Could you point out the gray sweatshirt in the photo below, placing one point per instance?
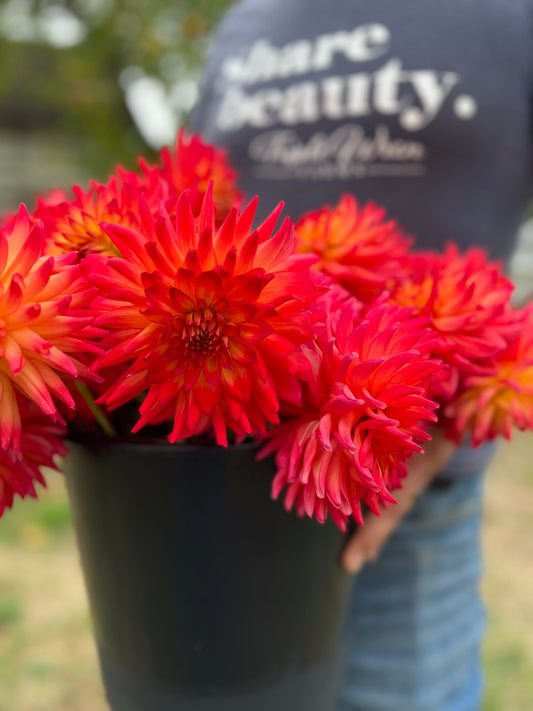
(423, 106)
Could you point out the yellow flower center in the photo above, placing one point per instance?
(411, 293)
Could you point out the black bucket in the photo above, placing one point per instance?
(205, 594)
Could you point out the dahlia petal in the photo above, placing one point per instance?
(224, 238)
(126, 388)
(277, 485)
(31, 383)
(279, 248)
(220, 427)
(13, 356)
(256, 330)
(206, 255)
(309, 499)
(233, 407)
(339, 518)
(23, 259)
(4, 251)
(275, 293)
(245, 287)
(322, 473)
(321, 511)
(372, 401)
(230, 261)
(180, 301)
(224, 358)
(333, 492)
(246, 218)
(206, 395)
(211, 369)
(192, 261)
(324, 431)
(9, 416)
(243, 426)
(192, 373)
(130, 345)
(264, 398)
(185, 226)
(19, 233)
(291, 496)
(14, 295)
(309, 454)
(238, 314)
(209, 286)
(392, 364)
(129, 242)
(342, 404)
(267, 226)
(384, 496)
(344, 433)
(193, 415)
(157, 259)
(179, 417)
(242, 351)
(237, 382)
(372, 503)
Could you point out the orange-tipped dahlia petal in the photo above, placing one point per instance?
(358, 247)
(43, 322)
(493, 404)
(466, 297)
(74, 225)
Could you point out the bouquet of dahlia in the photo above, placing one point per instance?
(154, 306)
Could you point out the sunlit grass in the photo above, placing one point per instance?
(508, 669)
(47, 655)
(38, 522)
(508, 648)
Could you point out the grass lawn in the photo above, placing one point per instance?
(47, 656)
(508, 584)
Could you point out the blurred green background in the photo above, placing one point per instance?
(76, 80)
(88, 84)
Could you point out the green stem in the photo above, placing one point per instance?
(99, 415)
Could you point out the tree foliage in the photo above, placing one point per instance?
(63, 62)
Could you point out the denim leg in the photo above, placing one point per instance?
(416, 619)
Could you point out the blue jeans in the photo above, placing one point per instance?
(416, 619)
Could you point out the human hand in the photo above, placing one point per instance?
(367, 541)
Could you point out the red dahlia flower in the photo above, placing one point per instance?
(209, 322)
(74, 225)
(361, 414)
(466, 298)
(41, 440)
(43, 321)
(490, 405)
(358, 247)
(192, 165)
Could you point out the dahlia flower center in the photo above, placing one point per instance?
(202, 332)
(312, 239)
(81, 232)
(413, 293)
